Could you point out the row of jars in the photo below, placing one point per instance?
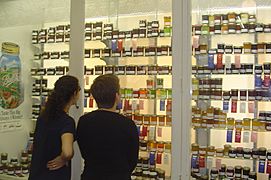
(14, 166)
(227, 172)
(144, 93)
(99, 31)
(232, 152)
(230, 17)
(151, 120)
(155, 146)
(231, 28)
(117, 50)
(235, 94)
(247, 48)
(100, 70)
(216, 118)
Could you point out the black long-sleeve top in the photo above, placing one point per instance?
(109, 145)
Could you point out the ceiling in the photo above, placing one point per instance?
(38, 12)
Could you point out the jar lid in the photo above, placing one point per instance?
(229, 168)
(10, 48)
(246, 168)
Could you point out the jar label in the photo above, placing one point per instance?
(260, 50)
(232, 31)
(259, 29)
(244, 30)
(217, 31)
(267, 29)
(247, 156)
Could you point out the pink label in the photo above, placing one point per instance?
(159, 132)
(218, 163)
(251, 107)
(234, 106)
(238, 136)
(141, 105)
(254, 136)
(237, 61)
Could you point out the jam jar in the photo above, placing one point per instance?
(238, 172)
(267, 28)
(217, 29)
(247, 47)
(246, 171)
(230, 172)
(232, 152)
(252, 176)
(261, 47)
(214, 173)
(247, 153)
(252, 27)
(228, 49)
(232, 28)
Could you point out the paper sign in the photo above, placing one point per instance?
(218, 163)
(251, 107)
(229, 136)
(238, 136)
(162, 105)
(226, 106)
(195, 41)
(237, 61)
(242, 107)
(234, 106)
(228, 62)
(254, 136)
(246, 136)
(159, 132)
(141, 105)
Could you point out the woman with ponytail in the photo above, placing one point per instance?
(55, 132)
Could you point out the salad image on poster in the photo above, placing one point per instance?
(11, 91)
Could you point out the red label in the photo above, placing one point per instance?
(159, 132)
(202, 162)
(120, 44)
(126, 105)
(268, 167)
(159, 158)
(238, 136)
(234, 106)
(219, 63)
(144, 131)
(91, 102)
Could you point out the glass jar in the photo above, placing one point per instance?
(202, 150)
(225, 29)
(230, 172)
(232, 28)
(232, 152)
(238, 171)
(247, 48)
(247, 153)
(219, 152)
(211, 151)
(244, 18)
(227, 149)
(246, 171)
(261, 47)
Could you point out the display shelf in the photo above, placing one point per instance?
(8, 177)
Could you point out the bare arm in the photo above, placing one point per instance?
(66, 154)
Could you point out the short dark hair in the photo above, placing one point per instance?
(104, 89)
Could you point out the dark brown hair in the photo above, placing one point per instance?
(104, 89)
(64, 89)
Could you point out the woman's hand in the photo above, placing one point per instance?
(56, 163)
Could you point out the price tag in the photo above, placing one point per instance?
(238, 136)
(229, 136)
(162, 105)
(141, 104)
(246, 136)
(237, 61)
(254, 136)
(242, 107)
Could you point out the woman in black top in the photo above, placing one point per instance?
(55, 133)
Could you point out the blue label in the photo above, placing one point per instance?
(261, 166)
(119, 105)
(258, 81)
(114, 45)
(138, 130)
(85, 102)
(211, 64)
(152, 158)
(226, 106)
(194, 162)
(229, 136)
(162, 105)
